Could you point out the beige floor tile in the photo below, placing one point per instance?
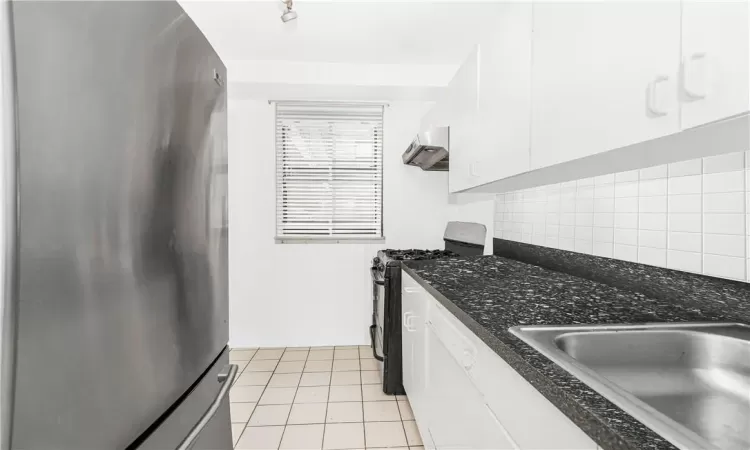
(341, 365)
(343, 436)
(370, 377)
(405, 409)
(290, 367)
(260, 438)
(294, 356)
(320, 355)
(240, 365)
(269, 354)
(322, 347)
(346, 354)
(345, 394)
(384, 434)
(315, 379)
(366, 355)
(365, 347)
(412, 433)
(241, 355)
(318, 366)
(387, 448)
(347, 347)
(237, 429)
(269, 415)
(296, 349)
(369, 364)
(278, 396)
(344, 378)
(381, 412)
(312, 394)
(374, 392)
(284, 380)
(306, 437)
(253, 379)
(239, 349)
(400, 397)
(241, 412)
(416, 447)
(244, 394)
(303, 413)
(262, 365)
(344, 412)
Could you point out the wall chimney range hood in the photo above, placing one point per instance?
(429, 150)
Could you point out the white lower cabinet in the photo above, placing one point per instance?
(464, 396)
(459, 416)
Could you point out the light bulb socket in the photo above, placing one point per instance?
(288, 15)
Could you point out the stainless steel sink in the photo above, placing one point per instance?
(690, 383)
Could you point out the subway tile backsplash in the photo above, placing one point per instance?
(692, 216)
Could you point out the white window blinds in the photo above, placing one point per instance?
(329, 170)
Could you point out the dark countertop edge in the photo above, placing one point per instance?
(594, 427)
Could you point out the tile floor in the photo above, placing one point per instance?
(316, 398)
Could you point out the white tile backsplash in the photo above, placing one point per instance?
(680, 169)
(691, 184)
(724, 182)
(724, 163)
(691, 215)
(651, 173)
(631, 175)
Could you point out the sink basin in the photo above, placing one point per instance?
(690, 383)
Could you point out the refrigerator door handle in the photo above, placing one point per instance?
(226, 377)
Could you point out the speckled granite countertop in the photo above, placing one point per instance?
(490, 294)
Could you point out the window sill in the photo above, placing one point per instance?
(330, 240)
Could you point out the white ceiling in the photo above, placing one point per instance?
(361, 32)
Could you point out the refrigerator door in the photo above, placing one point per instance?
(123, 281)
(216, 435)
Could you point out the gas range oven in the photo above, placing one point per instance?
(461, 239)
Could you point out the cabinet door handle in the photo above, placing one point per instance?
(473, 169)
(695, 75)
(408, 323)
(652, 101)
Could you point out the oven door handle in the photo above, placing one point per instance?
(372, 343)
(373, 274)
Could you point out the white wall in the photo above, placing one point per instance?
(692, 215)
(320, 294)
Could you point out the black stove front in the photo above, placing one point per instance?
(385, 332)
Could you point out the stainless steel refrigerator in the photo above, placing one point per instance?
(114, 236)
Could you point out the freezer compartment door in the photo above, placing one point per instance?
(216, 435)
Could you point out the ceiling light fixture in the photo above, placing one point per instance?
(288, 14)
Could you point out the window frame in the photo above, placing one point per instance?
(279, 176)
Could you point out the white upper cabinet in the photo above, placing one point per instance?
(714, 61)
(495, 113)
(462, 104)
(604, 75)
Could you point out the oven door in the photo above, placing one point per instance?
(378, 313)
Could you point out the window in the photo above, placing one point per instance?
(329, 171)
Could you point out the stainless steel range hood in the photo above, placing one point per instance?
(429, 150)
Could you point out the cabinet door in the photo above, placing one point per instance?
(464, 132)
(459, 417)
(505, 96)
(714, 60)
(415, 300)
(604, 76)
(407, 339)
